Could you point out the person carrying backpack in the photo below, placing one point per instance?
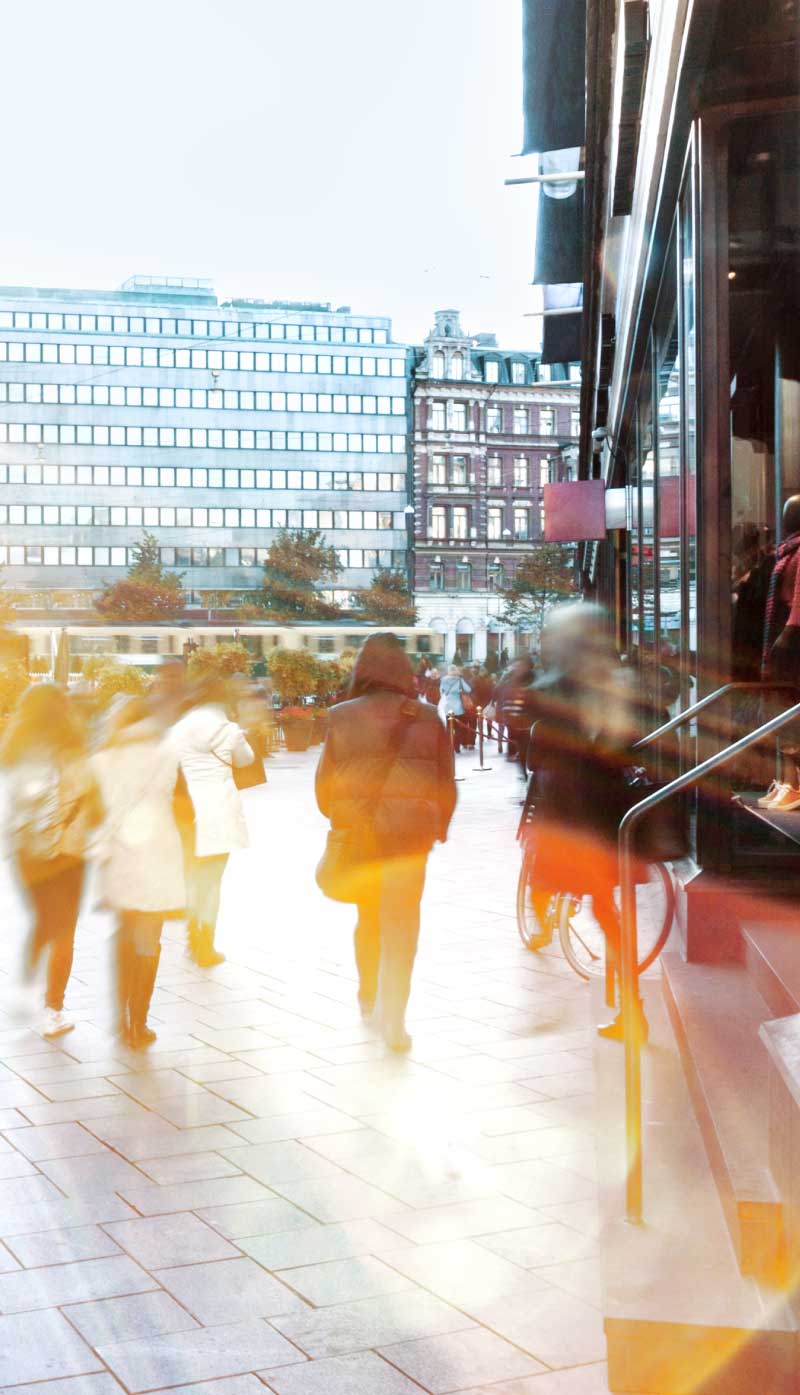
(54, 806)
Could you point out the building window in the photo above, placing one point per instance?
(546, 421)
(494, 472)
(574, 372)
(495, 577)
(518, 372)
(436, 576)
(494, 418)
(437, 367)
(491, 371)
(458, 469)
(460, 523)
(457, 367)
(544, 373)
(464, 576)
(544, 471)
(458, 416)
(438, 522)
(521, 529)
(575, 421)
(494, 523)
(521, 472)
(520, 421)
(437, 416)
(437, 473)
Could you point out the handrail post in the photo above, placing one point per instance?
(629, 994)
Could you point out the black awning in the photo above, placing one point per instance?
(554, 74)
(559, 239)
(561, 341)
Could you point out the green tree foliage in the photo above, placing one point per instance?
(546, 576)
(295, 674)
(298, 561)
(387, 599)
(148, 592)
(13, 682)
(221, 662)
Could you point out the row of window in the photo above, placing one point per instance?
(48, 555)
(459, 578)
(155, 516)
(212, 399)
(198, 477)
(520, 371)
(233, 360)
(454, 470)
(71, 323)
(455, 522)
(455, 416)
(200, 438)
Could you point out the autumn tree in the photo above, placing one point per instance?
(545, 576)
(298, 562)
(387, 599)
(148, 592)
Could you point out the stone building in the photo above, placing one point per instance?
(491, 428)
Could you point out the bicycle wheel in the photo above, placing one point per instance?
(583, 942)
(535, 929)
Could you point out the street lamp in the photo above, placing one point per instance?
(408, 513)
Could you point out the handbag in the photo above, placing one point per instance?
(343, 870)
(246, 777)
(467, 702)
(661, 835)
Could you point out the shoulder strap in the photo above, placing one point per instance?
(393, 744)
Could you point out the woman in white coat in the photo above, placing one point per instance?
(141, 863)
(208, 745)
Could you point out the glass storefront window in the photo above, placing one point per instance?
(668, 503)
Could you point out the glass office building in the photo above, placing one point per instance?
(156, 408)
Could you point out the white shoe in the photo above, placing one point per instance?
(784, 802)
(55, 1024)
(777, 794)
(766, 799)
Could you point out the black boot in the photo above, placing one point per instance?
(146, 968)
(204, 954)
(613, 1031)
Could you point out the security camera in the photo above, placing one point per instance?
(599, 434)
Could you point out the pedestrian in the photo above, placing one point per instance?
(54, 806)
(385, 781)
(455, 689)
(140, 855)
(581, 745)
(208, 745)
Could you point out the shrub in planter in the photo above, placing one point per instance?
(294, 673)
(298, 727)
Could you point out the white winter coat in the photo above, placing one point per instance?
(208, 745)
(139, 847)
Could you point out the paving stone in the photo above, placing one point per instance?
(552, 1325)
(13, 1164)
(100, 1384)
(62, 1246)
(319, 1243)
(363, 1374)
(252, 1218)
(181, 1357)
(281, 1162)
(162, 1140)
(304, 1126)
(26, 1191)
(53, 1215)
(191, 1110)
(42, 1347)
(341, 1198)
(345, 1280)
(146, 1086)
(167, 1240)
(462, 1220)
(79, 1282)
(78, 1111)
(578, 1380)
(370, 1322)
(548, 1243)
(462, 1273)
(187, 1167)
(124, 1319)
(89, 1175)
(76, 1089)
(445, 1363)
(228, 1291)
(189, 1196)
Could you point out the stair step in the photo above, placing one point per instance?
(772, 958)
(716, 1012)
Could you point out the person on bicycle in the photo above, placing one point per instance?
(586, 719)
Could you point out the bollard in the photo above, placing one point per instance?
(481, 768)
(451, 728)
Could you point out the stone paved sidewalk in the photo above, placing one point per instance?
(266, 1198)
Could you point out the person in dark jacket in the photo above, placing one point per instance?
(585, 726)
(399, 809)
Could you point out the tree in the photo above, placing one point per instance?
(295, 673)
(221, 662)
(546, 576)
(149, 592)
(298, 560)
(387, 599)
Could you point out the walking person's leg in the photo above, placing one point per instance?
(208, 873)
(145, 954)
(123, 946)
(367, 945)
(65, 890)
(607, 916)
(401, 889)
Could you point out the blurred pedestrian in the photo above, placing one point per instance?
(54, 806)
(455, 689)
(385, 781)
(140, 855)
(208, 745)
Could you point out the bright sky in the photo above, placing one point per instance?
(344, 150)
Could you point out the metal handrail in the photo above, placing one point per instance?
(690, 712)
(629, 951)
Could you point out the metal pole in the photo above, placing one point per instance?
(481, 768)
(629, 950)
